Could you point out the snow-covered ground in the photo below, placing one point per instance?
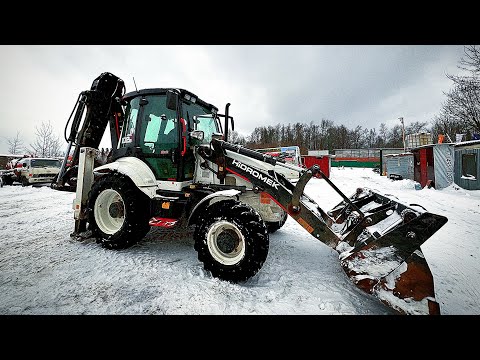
(43, 271)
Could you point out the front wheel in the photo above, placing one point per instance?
(231, 240)
(119, 212)
(7, 180)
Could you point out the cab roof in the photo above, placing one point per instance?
(163, 91)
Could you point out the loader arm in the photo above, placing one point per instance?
(377, 237)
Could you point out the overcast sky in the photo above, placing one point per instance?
(266, 85)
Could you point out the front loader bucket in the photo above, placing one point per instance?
(378, 237)
(379, 249)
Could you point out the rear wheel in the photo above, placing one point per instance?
(119, 213)
(7, 180)
(70, 177)
(231, 240)
(273, 226)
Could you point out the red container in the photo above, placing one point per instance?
(323, 161)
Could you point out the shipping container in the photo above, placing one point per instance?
(317, 152)
(324, 162)
(399, 166)
(418, 139)
(467, 165)
(433, 165)
(384, 152)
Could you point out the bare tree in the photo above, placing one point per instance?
(237, 138)
(339, 136)
(255, 137)
(417, 127)
(445, 125)
(471, 60)
(371, 138)
(324, 134)
(15, 144)
(355, 137)
(383, 134)
(313, 143)
(47, 144)
(299, 133)
(395, 137)
(463, 100)
(462, 106)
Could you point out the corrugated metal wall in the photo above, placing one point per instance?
(400, 165)
(385, 152)
(443, 155)
(468, 184)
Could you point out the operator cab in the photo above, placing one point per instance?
(161, 127)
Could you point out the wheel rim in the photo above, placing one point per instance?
(109, 211)
(226, 243)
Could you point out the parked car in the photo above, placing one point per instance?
(8, 175)
(37, 170)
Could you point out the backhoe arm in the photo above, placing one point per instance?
(102, 105)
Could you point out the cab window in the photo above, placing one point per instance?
(128, 131)
(159, 126)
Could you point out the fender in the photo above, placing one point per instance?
(136, 170)
(192, 219)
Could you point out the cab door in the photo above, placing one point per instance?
(159, 137)
(151, 132)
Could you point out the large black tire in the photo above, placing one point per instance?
(70, 177)
(126, 221)
(7, 180)
(273, 226)
(231, 240)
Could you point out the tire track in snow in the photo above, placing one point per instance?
(43, 271)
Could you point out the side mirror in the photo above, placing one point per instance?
(172, 100)
(24, 165)
(197, 134)
(218, 136)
